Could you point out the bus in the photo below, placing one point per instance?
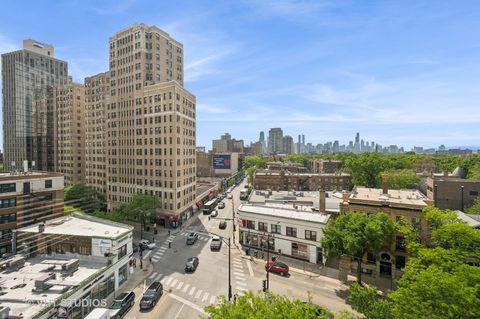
(209, 206)
(244, 194)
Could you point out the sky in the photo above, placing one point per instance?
(399, 72)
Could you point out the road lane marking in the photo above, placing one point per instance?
(205, 297)
(162, 249)
(186, 288)
(192, 291)
(250, 270)
(241, 283)
(174, 282)
(239, 269)
(241, 288)
(240, 278)
(155, 311)
(198, 293)
(164, 280)
(237, 259)
(179, 311)
(212, 300)
(147, 254)
(188, 303)
(180, 284)
(152, 275)
(168, 281)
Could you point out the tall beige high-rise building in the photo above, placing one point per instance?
(150, 122)
(97, 93)
(70, 108)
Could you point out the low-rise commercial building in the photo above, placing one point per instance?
(404, 203)
(283, 180)
(27, 198)
(65, 267)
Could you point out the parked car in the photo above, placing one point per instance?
(222, 225)
(221, 205)
(216, 243)
(229, 196)
(122, 303)
(192, 264)
(147, 244)
(192, 238)
(277, 267)
(214, 213)
(151, 295)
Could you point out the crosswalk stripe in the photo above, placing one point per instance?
(168, 281)
(164, 280)
(212, 300)
(186, 288)
(162, 248)
(198, 294)
(158, 277)
(205, 297)
(240, 278)
(236, 259)
(173, 283)
(238, 268)
(155, 259)
(204, 239)
(192, 291)
(152, 275)
(240, 274)
(180, 284)
(242, 283)
(241, 288)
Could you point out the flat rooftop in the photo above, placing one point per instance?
(81, 225)
(287, 199)
(410, 197)
(28, 175)
(293, 214)
(17, 287)
(275, 172)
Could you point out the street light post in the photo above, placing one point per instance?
(233, 218)
(268, 259)
(229, 272)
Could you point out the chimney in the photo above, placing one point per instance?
(385, 184)
(321, 201)
(41, 227)
(346, 196)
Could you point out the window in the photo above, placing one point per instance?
(9, 202)
(48, 183)
(310, 235)
(473, 193)
(262, 226)
(10, 218)
(400, 243)
(122, 251)
(277, 229)
(250, 224)
(292, 232)
(371, 257)
(8, 188)
(400, 262)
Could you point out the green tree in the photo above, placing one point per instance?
(250, 172)
(475, 207)
(259, 306)
(254, 160)
(140, 204)
(355, 234)
(366, 168)
(82, 196)
(404, 178)
(366, 300)
(297, 158)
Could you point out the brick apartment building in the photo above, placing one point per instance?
(322, 166)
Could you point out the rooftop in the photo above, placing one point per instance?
(81, 225)
(471, 220)
(301, 200)
(409, 197)
(28, 175)
(289, 213)
(274, 172)
(18, 290)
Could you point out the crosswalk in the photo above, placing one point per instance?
(162, 249)
(188, 291)
(239, 276)
(201, 237)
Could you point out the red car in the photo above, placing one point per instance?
(278, 267)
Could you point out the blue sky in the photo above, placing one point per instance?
(399, 72)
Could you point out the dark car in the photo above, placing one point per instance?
(151, 295)
(192, 264)
(192, 238)
(277, 267)
(222, 225)
(122, 303)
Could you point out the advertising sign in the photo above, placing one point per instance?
(221, 161)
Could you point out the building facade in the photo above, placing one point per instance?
(26, 199)
(287, 145)
(70, 108)
(29, 116)
(97, 92)
(452, 192)
(284, 180)
(397, 204)
(151, 126)
(275, 140)
(322, 166)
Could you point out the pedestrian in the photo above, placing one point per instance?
(141, 264)
(150, 259)
(134, 263)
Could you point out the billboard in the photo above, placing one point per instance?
(221, 161)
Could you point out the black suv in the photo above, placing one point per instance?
(123, 303)
(151, 295)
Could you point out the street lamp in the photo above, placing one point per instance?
(233, 218)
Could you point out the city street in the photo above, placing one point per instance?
(186, 294)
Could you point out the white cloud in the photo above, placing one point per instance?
(112, 7)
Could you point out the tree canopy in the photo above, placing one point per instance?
(254, 160)
(475, 207)
(82, 196)
(401, 179)
(355, 234)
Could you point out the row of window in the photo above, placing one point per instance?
(277, 229)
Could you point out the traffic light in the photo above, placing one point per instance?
(264, 285)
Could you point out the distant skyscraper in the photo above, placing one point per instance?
(275, 140)
(357, 138)
(262, 136)
(29, 117)
(287, 144)
(303, 139)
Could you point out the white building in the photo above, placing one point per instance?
(291, 231)
(77, 258)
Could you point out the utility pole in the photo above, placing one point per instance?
(268, 259)
(233, 218)
(229, 272)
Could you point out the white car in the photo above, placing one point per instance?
(148, 244)
(214, 213)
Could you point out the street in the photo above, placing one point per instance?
(186, 294)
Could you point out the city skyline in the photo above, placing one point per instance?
(420, 75)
